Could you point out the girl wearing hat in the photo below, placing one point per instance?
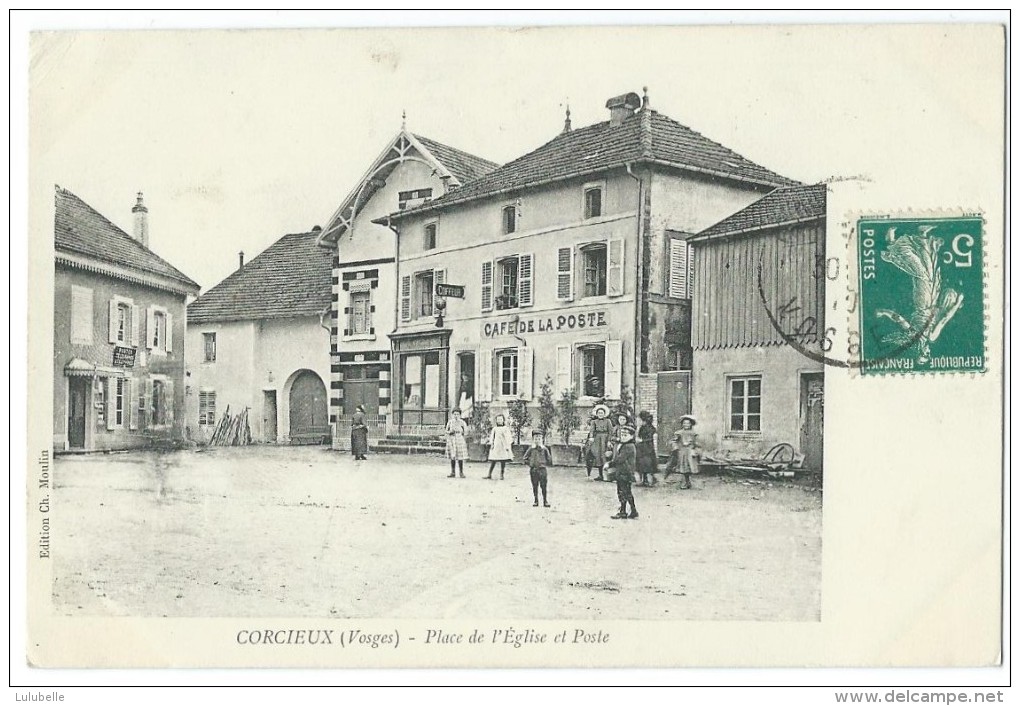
(499, 446)
(600, 430)
(359, 434)
(456, 443)
(647, 458)
(685, 455)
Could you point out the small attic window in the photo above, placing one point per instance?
(509, 219)
(415, 197)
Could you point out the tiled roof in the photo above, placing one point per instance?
(80, 229)
(603, 146)
(784, 205)
(292, 277)
(465, 167)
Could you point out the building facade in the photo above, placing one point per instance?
(759, 326)
(574, 266)
(411, 170)
(119, 320)
(259, 340)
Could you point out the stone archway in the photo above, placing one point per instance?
(308, 408)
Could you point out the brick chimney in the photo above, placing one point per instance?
(622, 107)
(240, 259)
(141, 221)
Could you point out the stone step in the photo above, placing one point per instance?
(432, 443)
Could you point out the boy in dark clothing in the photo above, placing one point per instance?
(537, 458)
(623, 464)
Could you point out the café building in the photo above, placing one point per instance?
(569, 264)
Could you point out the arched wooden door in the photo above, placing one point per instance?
(309, 421)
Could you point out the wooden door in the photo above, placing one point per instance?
(309, 421)
(812, 402)
(77, 404)
(269, 416)
(674, 398)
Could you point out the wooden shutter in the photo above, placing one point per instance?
(483, 376)
(678, 269)
(690, 270)
(525, 366)
(487, 268)
(563, 364)
(113, 321)
(130, 406)
(150, 328)
(525, 277)
(168, 318)
(614, 279)
(614, 369)
(438, 277)
(111, 406)
(150, 411)
(81, 315)
(565, 274)
(169, 402)
(405, 298)
(134, 325)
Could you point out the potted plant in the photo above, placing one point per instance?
(506, 301)
(569, 421)
(520, 419)
(479, 426)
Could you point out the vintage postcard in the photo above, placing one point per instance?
(516, 347)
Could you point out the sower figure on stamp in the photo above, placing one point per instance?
(622, 465)
(600, 430)
(456, 443)
(499, 446)
(537, 457)
(685, 455)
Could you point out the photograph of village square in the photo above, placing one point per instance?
(551, 370)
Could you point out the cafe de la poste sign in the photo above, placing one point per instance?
(544, 324)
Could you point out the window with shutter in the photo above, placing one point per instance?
(487, 268)
(207, 408)
(483, 375)
(563, 363)
(565, 274)
(615, 271)
(405, 298)
(526, 285)
(593, 370)
(596, 270)
(614, 369)
(526, 362)
(132, 396)
(508, 369)
(81, 315)
(679, 266)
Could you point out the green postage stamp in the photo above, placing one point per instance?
(921, 290)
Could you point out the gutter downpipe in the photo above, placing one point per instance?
(637, 282)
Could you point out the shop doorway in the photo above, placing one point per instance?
(77, 404)
(812, 403)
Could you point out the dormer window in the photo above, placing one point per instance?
(592, 200)
(509, 219)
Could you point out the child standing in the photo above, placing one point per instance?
(685, 455)
(456, 443)
(623, 463)
(537, 458)
(647, 458)
(600, 430)
(499, 446)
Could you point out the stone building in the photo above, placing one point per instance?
(118, 333)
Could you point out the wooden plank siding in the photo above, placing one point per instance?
(727, 310)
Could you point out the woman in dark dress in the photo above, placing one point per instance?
(647, 459)
(359, 434)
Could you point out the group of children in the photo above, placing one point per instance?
(609, 447)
